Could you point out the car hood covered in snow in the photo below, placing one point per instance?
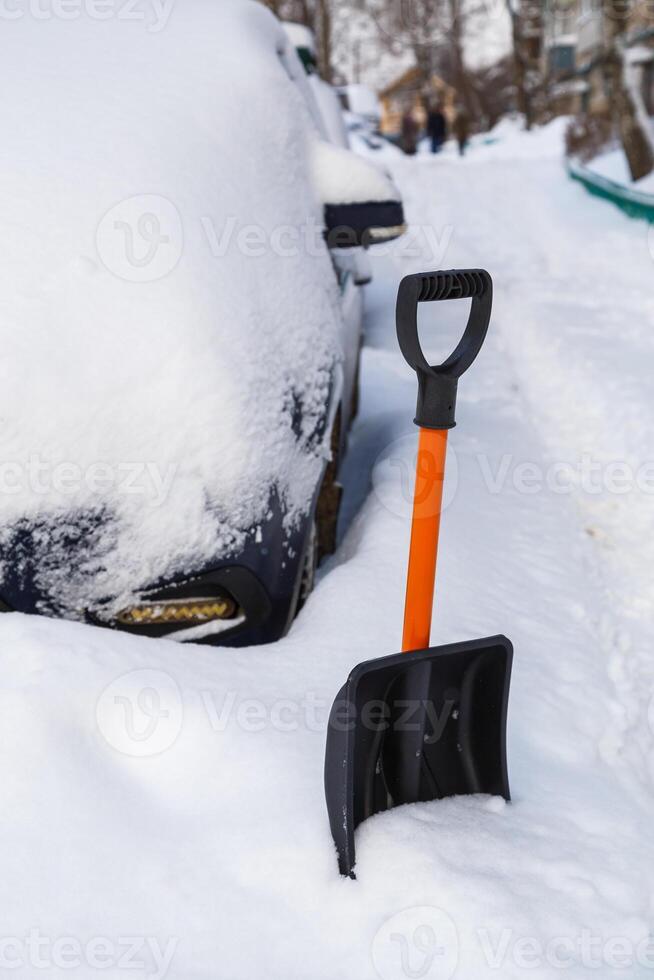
(169, 322)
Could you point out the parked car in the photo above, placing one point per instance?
(327, 102)
(179, 343)
(327, 107)
(363, 105)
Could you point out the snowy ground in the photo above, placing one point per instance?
(174, 795)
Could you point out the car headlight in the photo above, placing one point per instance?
(217, 603)
(178, 612)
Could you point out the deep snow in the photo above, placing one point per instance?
(184, 804)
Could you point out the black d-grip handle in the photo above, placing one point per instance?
(437, 384)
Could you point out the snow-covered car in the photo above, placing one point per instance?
(363, 105)
(327, 102)
(179, 364)
(362, 117)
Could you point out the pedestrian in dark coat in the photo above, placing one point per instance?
(436, 128)
(409, 133)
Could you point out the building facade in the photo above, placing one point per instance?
(574, 40)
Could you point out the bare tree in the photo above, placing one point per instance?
(458, 15)
(527, 35)
(625, 101)
(417, 26)
(494, 88)
(355, 44)
(323, 19)
(433, 31)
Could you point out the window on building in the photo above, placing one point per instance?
(562, 58)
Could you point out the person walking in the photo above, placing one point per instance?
(436, 128)
(462, 128)
(409, 133)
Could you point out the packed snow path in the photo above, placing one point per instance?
(183, 804)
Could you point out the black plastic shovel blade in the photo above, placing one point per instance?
(416, 727)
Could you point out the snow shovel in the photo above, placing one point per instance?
(430, 724)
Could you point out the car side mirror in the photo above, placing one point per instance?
(366, 224)
(362, 205)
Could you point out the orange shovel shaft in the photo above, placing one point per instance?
(427, 502)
